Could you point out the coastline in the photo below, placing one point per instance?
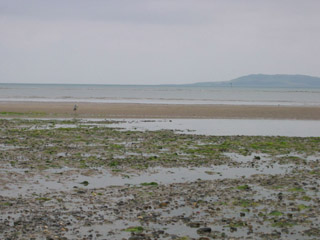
(157, 111)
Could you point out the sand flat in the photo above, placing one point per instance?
(134, 110)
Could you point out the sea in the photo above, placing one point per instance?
(159, 94)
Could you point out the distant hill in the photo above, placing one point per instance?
(262, 80)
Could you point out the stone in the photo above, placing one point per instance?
(194, 224)
(204, 230)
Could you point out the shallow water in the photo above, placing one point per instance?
(228, 127)
(66, 179)
(210, 127)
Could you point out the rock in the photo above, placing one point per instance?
(138, 237)
(194, 224)
(163, 204)
(204, 230)
(233, 229)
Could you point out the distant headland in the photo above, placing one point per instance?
(263, 80)
(248, 81)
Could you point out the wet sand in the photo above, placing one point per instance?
(128, 110)
(80, 179)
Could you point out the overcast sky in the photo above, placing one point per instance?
(156, 41)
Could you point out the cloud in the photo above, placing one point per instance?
(149, 41)
(124, 11)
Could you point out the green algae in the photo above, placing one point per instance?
(276, 213)
(40, 141)
(243, 187)
(137, 229)
(237, 224)
(85, 183)
(149, 184)
(43, 199)
(6, 204)
(245, 203)
(282, 224)
(296, 189)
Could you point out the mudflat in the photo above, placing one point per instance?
(135, 110)
(84, 179)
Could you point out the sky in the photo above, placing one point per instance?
(156, 41)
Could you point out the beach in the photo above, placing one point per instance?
(159, 120)
(139, 110)
(158, 163)
(91, 179)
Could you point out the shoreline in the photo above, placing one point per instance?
(157, 111)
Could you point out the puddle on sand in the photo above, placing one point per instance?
(66, 179)
(310, 158)
(114, 230)
(244, 159)
(4, 147)
(216, 127)
(53, 126)
(227, 127)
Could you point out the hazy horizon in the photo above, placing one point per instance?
(155, 84)
(149, 42)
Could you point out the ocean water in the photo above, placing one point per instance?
(159, 94)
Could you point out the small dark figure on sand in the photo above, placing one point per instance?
(75, 107)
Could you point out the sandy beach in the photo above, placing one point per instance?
(128, 110)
